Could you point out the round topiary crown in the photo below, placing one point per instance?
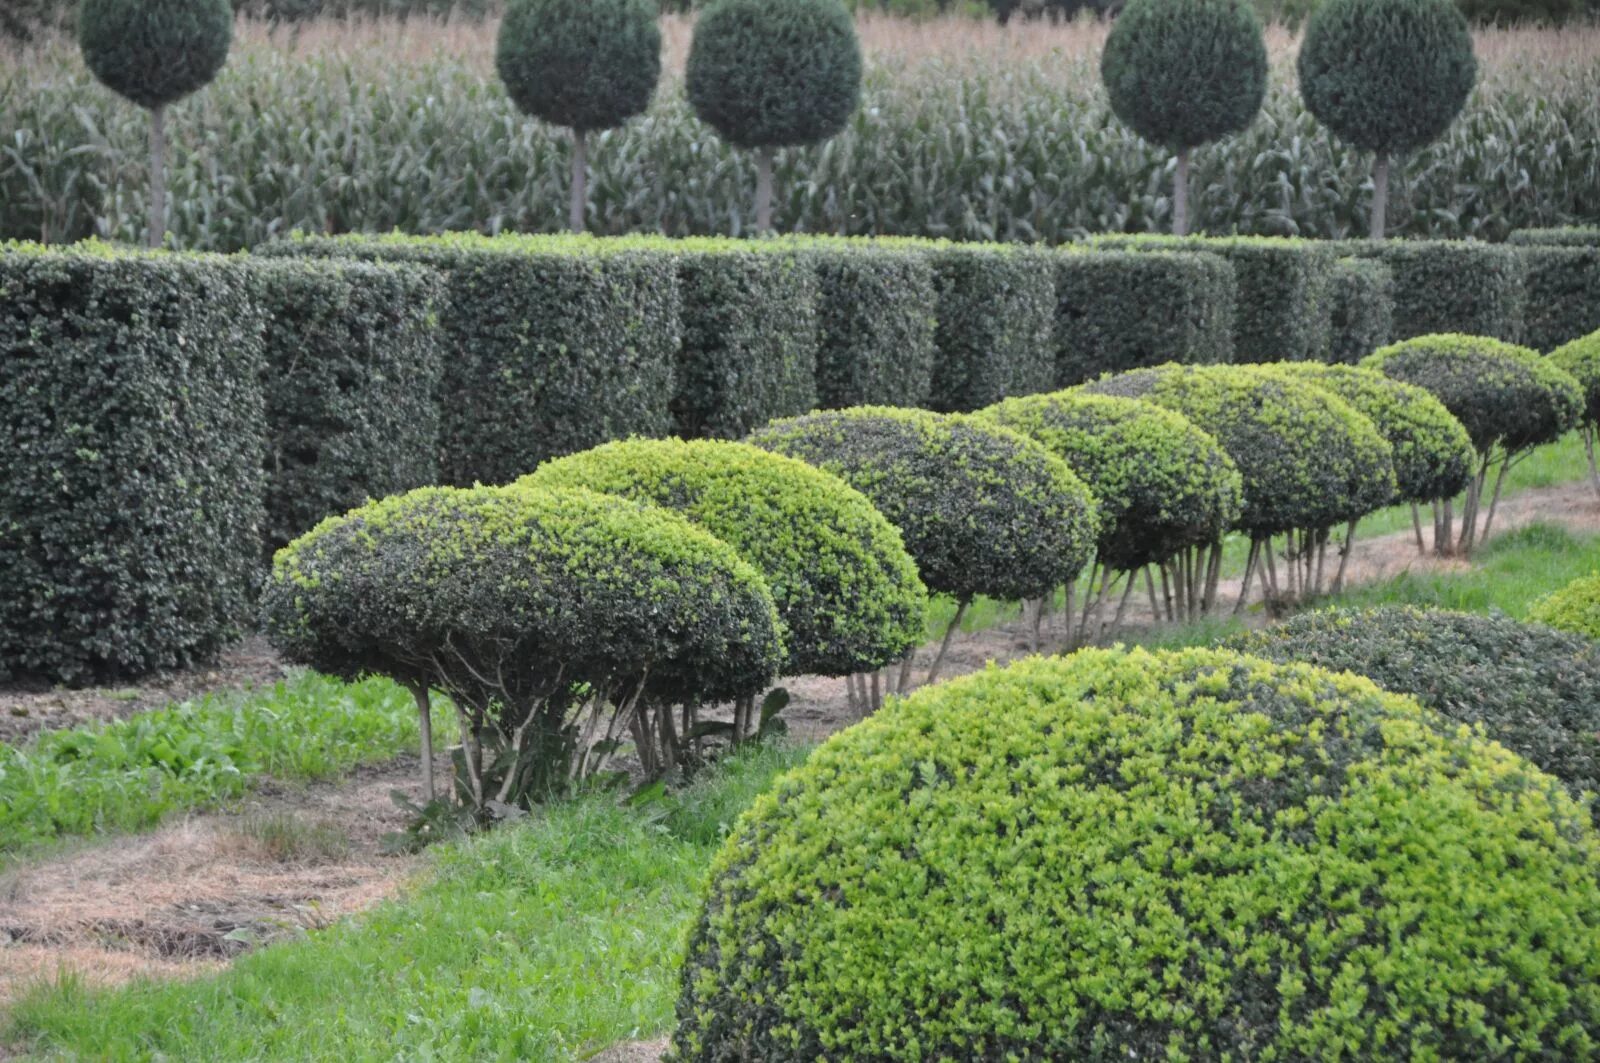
(1580, 360)
(583, 64)
(155, 52)
(1575, 608)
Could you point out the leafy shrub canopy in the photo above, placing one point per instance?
(1580, 360)
(1534, 690)
(774, 73)
(583, 64)
(1121, 854)
(1185, 72)
(847, 591)
(1387, 75)
(1307, 458)
(982, 509)
(155, 52)
(1502, 394)
(1162, 484)
(1575, 608)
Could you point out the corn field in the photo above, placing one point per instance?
(967, 130)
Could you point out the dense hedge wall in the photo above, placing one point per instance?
(1363, 309)
(1451, 286)
(353, 359)
(1563, 294)
(553, 344)
(1119, 310)
(1124, 855)
(131, 505)
(1571, 236)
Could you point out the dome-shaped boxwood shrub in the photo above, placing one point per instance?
(584, 64)
(847, 592)
(538, 612)
(1183, 73)
(1534, 690)
(1388, 76)
(1575, 608)
(1509, 399)
(1580, 360)
(1162, 484)
(768, 74)
(1124, 855)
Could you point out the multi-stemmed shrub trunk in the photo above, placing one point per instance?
(1307, 571)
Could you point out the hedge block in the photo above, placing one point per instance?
(1363, 309)
(1570, 236)
(1443, 286)
(1563, 294)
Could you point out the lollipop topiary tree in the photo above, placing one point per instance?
(155, 52)
(768, 74)
(584, 64)
(1389, 76)
(1183, 73)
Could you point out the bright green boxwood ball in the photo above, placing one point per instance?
(1387, 75)
(983, 510)
(155, 52)
(1503, 395)
(1129, 855)
(1308, 459)
(587, 584)
(1183, 73)
(774, 73)
(1432, 452)
(583, 64)
(1580, 360)
(1574, 608)
(847, 592)
(1162, 483)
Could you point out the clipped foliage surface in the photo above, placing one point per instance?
(1575, 608)
(846, 589)
(1363, 309)
(982, 510)
(1563, 295)
(995, 311)
(1120, 854)
(1461, 286)
(1580, 360)
(583, 64)
(1161, 483)
(155, 52)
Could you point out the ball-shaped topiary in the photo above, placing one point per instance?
(1532, 689)
(1307, 458)
(1503, 395)
(1574, 608)
(1432, 452)
(1162, 483)
(583, 64)
(982, 509)
(847, 591)
(1580, 360)
(155, 52)
(1125, 855)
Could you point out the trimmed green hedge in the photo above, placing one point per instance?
(1572, 236)
(1123, 855)
(1283, 311)
(1119, 310)
(1576, 608)
(1563, 286)
(353, 359)
(554, 344)
(1363, 309)
(1451, 286)
(131, 505)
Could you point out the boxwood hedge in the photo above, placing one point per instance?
(1363, 309)
(982, 509)
(847, 592)
(1121, 854)
(1451, 286)
(1162, 484)
(1569, 236)
(130, 509)
(1563, 301)
(1575, 608)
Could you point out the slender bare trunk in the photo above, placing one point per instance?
(1380, 194)
(1494, 501)
(763, 190)
(158, 177)
(949, 633)
(1416, 524)
(580, 180)
(1250, 563)
(1155, 606)
(1588, 447)
(419, 693)
(1349, 547)
(1180, 196)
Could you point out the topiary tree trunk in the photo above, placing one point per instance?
(763, 190)
(1180, 196)
(1380, 194)
(157, 234)
(580, 180)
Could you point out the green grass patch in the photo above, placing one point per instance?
(546, 940)
(129, 774)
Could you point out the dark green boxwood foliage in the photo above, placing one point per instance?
(583, 64)
(1307, 458)
(1563, 294)
(552, 344)
(130, 509)
(1571, 236)
(1363, 309)
(1433, 456)
(155, 52)
(1162, 484)
(1118, 310)
(1580, 360)
(1576, 608)
(1120, 855)
(1503, 395)
(1284, 307)
(353, 359)
(1451, 286)
(1532, 689)
(847, 592)
(774, 73)
(982, 509)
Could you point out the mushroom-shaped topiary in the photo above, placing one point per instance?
(1127, 855)
(587, 65)
(1575, 608)
(1533, 690)
(1183, 73)
(551, 618)
(1508, 398)
(768, 74)
(847, 592)
(1580, 359)
(983, 510)
(154, 53)
(1389, 76)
